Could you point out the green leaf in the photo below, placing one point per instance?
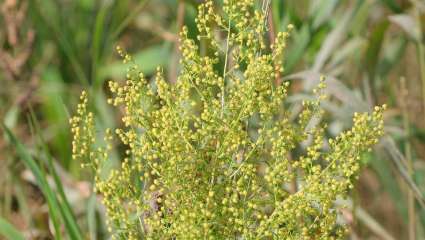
(11, 116)
(360, 18)
(374, 48)
(9, 231)
(147, 59)
(52, 93)
(296, 51)
(324, 12)
(393, 5)
(383, 170)
(332, 42)
(393, 54)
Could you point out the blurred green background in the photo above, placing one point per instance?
(372, 52)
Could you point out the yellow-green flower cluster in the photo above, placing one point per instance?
(218, 155)
(82, 128)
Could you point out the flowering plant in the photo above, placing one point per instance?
(216, 155)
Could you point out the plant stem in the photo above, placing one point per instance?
(421, 52)
(225, 67)
(408, 153)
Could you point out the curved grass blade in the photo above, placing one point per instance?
(67, 210)
(56, 208)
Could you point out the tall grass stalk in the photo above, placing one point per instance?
(408, 153)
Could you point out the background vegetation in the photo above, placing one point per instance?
(372, 51)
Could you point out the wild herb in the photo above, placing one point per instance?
(211, 157)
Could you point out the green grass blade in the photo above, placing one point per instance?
(56, 208)
(40, 178)
(332, 42)
(324, 12)
(128, 19)
(400, 164)
(66, 209)
(300, 42)
(374, 47)
(47, 12)
(97, 39)
(53, 90)
(8, 231)
(276, 10)
(392, 56)
(91, 216)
